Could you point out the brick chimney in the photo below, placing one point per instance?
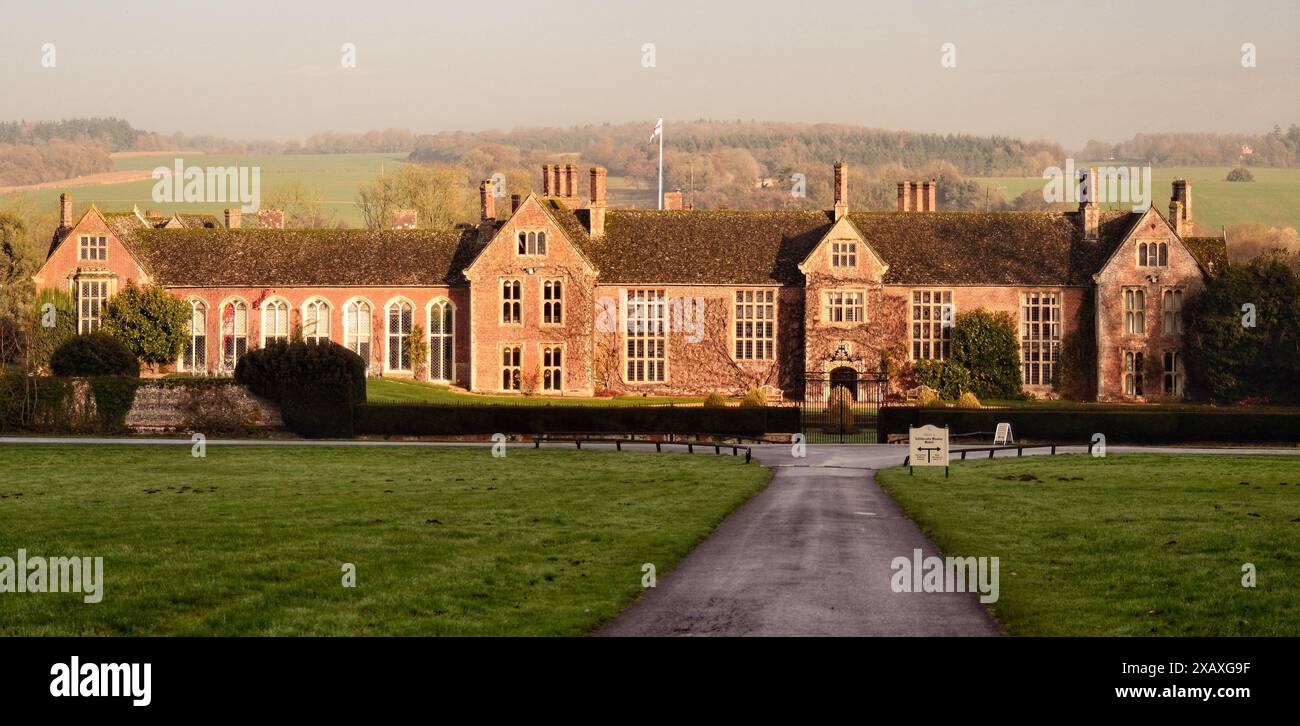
(515, 201)
(1180, 208)
(673, 200)
(487, 206)
(270, 219)
(405, 219)
(546, 180)
(841, 190)
(596, 208)
(571, 177)
(905, 196)
(930, 196)
(65, 210)
(1089, 212)
(234, 218)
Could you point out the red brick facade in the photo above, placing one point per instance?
(569, 302)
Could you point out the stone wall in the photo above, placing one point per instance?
(207, 406)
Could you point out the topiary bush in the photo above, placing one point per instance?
(948, 378)
(316, 384)
(94, 354)
(986, 344)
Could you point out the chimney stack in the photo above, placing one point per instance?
(555, 181)
(546, 180)
(234, 218)
(1180, 207)
(515, 201)
(487, 208)
(930, 196)
(596, 207)
(905, 196)
(841, 190)
(65, 210)
(571, 183)
(673, 200)
(1089, 212)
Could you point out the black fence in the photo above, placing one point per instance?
(840, 407)
(1122, 426)
(454, 420)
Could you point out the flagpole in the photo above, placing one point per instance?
(661, 168)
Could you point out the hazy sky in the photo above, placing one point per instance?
(1062, 71)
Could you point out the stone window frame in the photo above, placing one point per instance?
(661, 338)
(517, 301)
(1145, 251)
(530, 243)
(914, 306)
(109, 288)
(510, 366)
(1172, 313)
(234, 301)
(553, 306)
(350, 336)
(735, 338)
(844, 254)
(398, 300)
(1134, 314)
(96, 244)
(827, 306)
(1048, 346)
(276, 302)
(193, 349)
(318, 303)
(552, 372)
(1132, 366)
(442, 301)
(1177, 374)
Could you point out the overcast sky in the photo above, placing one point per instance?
(1067, 72)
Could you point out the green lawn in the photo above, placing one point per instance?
(251, 540)
(1273, 198)
(1123, 545)
(397, 390)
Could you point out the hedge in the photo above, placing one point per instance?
(435, 420)
(54, 405)
(1124, 426)
(315, 385)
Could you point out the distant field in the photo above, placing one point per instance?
(1273, 198)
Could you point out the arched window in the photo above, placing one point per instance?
(195, 357)
(442, 328)
(552, 369)
(234, 332)
(356, 328)
(1135, 316)
(510, 368)
(400, 319)
(532, 243)
(552, 302)
(510, 305)
(541, 243)
(316, 321)
(275, 321)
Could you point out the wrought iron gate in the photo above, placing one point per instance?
(840, 407)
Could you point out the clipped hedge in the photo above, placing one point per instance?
(64, 405)
(315, 384)
(94, 354)
(434, 420)
(1120, 426)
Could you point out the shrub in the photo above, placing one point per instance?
(113, 398)
(94, 354)
(948, 378)
(50, 327)
(715, 400)
(315, 384)
(1075, 375)
(928, 397)
(968, 400)
(1241, 174)
(754, 397)
(986, 344)
(150, 321)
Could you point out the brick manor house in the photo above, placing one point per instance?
(559, 297)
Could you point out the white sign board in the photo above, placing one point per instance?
(1003, 434)
(927, 446)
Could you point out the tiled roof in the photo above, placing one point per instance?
(1211, 252)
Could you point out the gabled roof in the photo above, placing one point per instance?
(1211, 252)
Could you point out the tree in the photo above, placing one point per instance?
(417, 350)
(986, 344)
(1233, 354)
(18, 261)
(439, 194)
(151, 322)
(301, 205)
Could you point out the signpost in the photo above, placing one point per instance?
(927, 446)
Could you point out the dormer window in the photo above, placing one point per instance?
(532, 243)
(1153, 254)
(844, 254)
(93, 248)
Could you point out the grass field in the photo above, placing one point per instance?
(1123, 545)
(1273, 198)
(251, 540)
(396, 390)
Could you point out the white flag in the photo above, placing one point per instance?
(659, 128)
